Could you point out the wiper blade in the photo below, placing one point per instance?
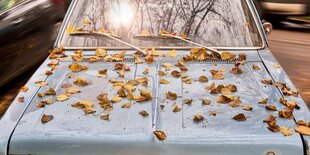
(111, 36)
(189, 41)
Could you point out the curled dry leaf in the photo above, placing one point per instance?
(146, 71)
(211, 87)
(78, 55)
(273, 126)
(50, 91)
(212, 113)
(149, 59)
(176, 74)
(227, 56)
(160, 135)
(242, 56)
(203, 79)
(198, 118)
(144, 113)
(247, 108)
(303, 123)
(172, 53)
(118, 66)
(279, 84)
(138, 60)
(267, 82)
(73, 91)
(100, 52)
(161, 73)
(255, 67)
(126, 105)
(286, 113)
(206, 102)
(62, 97)
(164, 81)
(87, 106)
(239, 117)
(40, 104)
(121, 92)
(225, 91)
(121, 73)
(102, 73)
(24, 88)
(263, 101)
(269, 118)
(116, 99)
(21, 99)
(217, 74)
(187, 101)
(81, 82)
(166, 64)
(146, 93)
(46, 118)
(225, 99)
(41, 83)
(303, 130)
(236, 70)
(176, 109)
(232, 88)
(271, 107)
(286, 131)
(171, 96)
(277, 66)
(48, 72)
(187, 80)
(105, 117)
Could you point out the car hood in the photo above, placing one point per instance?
(73, 132)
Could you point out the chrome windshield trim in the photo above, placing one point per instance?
(249, 4)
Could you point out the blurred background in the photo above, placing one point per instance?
(28, 29)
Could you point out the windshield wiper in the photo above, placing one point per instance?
(189, 41)
(111, 36)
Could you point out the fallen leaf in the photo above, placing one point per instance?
(24, 88)
(105, 117)
(212, 113)
(73, 91)
(21, 99)
(116, 99)
(41, 83)
(78, 55)
(224, 99)
(303, 123)
(48, 101)
(216, 74)
(62, 97)
(172, 53)
(121, 92)
(138, 60)
(227, 56)
(270, 118)
(161, 73)
(40, 104)
(187, 80)
(160, 135)
(89, 110)
(146, 71)
(100, 52)
(211, 87)
(236, 70)
(286, 113)
(176, 74)
(198, 118)
(166, 64)
(242, 56)
(51, 91)
(203, 79)
(81, 82)
(263, 101)
(206, 102)
(232, 88)
(146, 93)
(239, 117)
(303, 130)
(271, 107)
(171, 96)
(46, 118)
(126, 105)
(286, 131)
(144, 113)
(48, 72)
(225, 91)
(187, 101)
(267, 82)
(149, 59)
(273, 126)
(277, 66)
(163, 81)
(279, 84)
(247, 108)
(255, 67)
(177, 109)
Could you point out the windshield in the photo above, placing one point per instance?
(216, 23)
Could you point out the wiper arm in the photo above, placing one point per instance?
(189, 41)
(111, 36)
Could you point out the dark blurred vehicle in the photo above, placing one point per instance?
(277, 10)
(25, 34)
(61, 7)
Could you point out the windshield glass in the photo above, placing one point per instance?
(216, 23)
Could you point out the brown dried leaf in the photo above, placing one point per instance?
(212, 113)
(303, 123)
(46, 118)
(206, 102)
(255, 67)
(81, 82)
(164, 81)
(242, 56)
(144, 113)
(77, 56)
(73, 91)
(160, 135)
(24, 88)
(225, 91)
(149, 59)
(232, 88)
(89, 110)
(216, 74)
(48, 72)
(161, 73)
(51, 91)
(286, 131)
(62, 97)
(203, 79)
(21, 99)
(105, 117)
(267, 82)
(279, 84)
(100, 52)
(176, 74)
(271, 107)
(270, 118)
(146, 71)
(263, 101)
(303, 130)
(40, 104)
(172, 53)
(247, 108)
(227, 56)
(211, 87)
(286, 113)
(187, 101)
(198, 118)
(236, 70)
(239, 117)
(121, 92)
(166, 64)
(224, 99)
(171, 96)
(177, 109)
(273, 126)
(126, 105)
(116, 99)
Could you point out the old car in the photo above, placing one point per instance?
(26, 28)
(158, 77)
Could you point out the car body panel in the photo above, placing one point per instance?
(73, 132)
